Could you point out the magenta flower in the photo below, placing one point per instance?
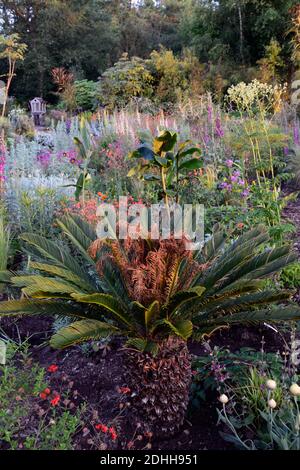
(219, 128)
(2, 162)
(296, 134)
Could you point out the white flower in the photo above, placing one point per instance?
(272, 403)
(223, 399)
(271, 384)
(295, 390)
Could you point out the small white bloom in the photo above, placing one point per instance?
(272, 403)
(224, 399)
(295, 390)
(271, 384)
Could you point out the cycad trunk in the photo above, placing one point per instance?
(160, 386)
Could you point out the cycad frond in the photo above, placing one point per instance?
(59, 255)
(78, 234)
(81, 331)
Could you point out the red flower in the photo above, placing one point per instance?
(113, 433)
(125, 390)
(55, 400)
(101, 427)
(52, 368)
(44, 394)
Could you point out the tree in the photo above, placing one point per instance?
(12, 50)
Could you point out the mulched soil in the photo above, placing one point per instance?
(96, 378)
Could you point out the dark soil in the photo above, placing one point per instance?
(96, 378)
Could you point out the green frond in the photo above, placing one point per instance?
(40, 307)
(35, 284)
(60, 256)
(182, 297)
(182, 328)
(279, 313)
(242, 302)
(229, 260)
(112, 282)
(108, 303)
(78, 234)
(142, 345)
(81, 331)
(151, 313)
(63, 274)
(212, 247)
(255, 263)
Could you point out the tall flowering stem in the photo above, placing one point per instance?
(2, 165)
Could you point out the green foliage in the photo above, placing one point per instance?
(128, 78)
(262, 411)
(85, 94)
(5, 244)
(227, 291)
(21, 382)
(272, 63)
(163, 163)
(290, 276)
(219, 365)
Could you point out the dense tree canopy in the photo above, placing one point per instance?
(88, 37)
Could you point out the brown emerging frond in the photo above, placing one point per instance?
(149, 268)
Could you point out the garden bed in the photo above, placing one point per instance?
(97, 378)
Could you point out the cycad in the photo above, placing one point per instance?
(155, 295)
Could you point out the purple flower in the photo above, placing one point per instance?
(206, 138)
(209, 112)
(237, 173)
(229, 163)
(68, 126)
(219, 128)
(234, 178)
(296, 134)
(44, 158)
(241, 182)
(286, 151)
(246, 192)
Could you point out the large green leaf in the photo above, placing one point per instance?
(40, 307)
(182, 297)
(192, 164)
(79, 239)
(59, 255)
(182, 328)
(108, 302)
(229, 260)
(242, 302)
(164, 142)
(64, 274)
(151, 313)
(42, 286)
(281, 313)
(81, 331)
